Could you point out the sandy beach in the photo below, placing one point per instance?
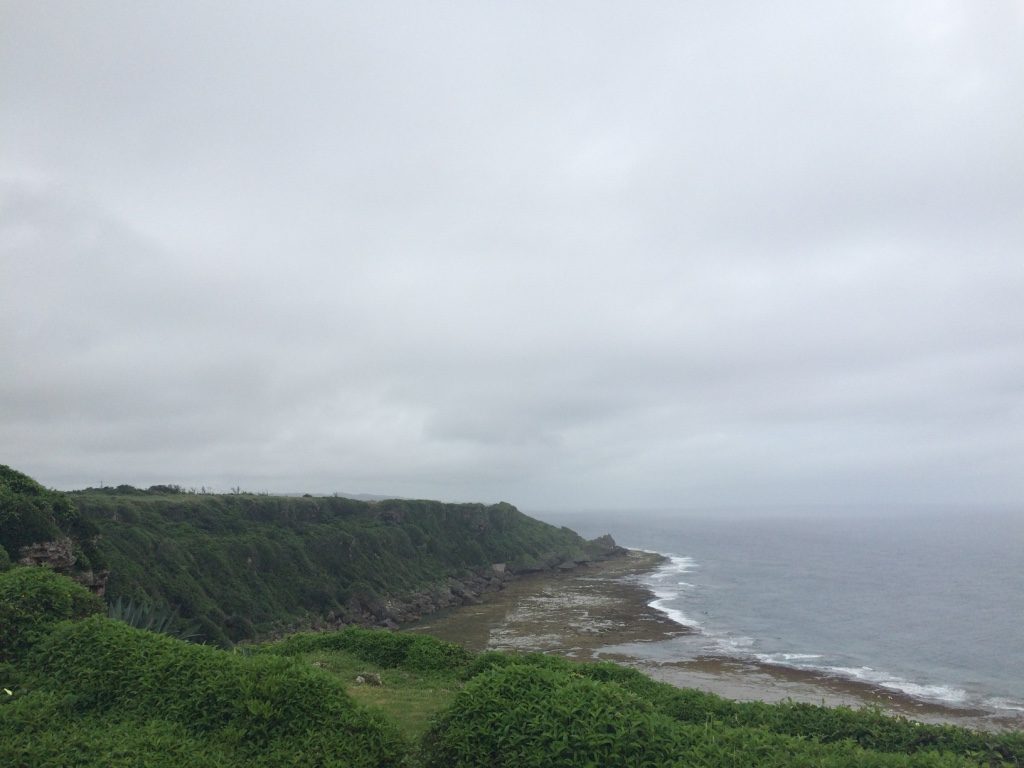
(601, 612)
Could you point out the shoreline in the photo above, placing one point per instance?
(602, 611)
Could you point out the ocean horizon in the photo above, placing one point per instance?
(927, 603)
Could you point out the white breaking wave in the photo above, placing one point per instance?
(661, 603)
(676, 615)
(944, 693)
(667, 589)
(670, 592)
(734, 646)
(786, 658)
(1008, 704)
(811, 662)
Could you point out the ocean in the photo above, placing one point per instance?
(928, 603)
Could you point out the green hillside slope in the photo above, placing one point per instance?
(245, 565)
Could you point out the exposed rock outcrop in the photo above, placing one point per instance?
(59, 554)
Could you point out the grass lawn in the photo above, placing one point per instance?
(409, 699)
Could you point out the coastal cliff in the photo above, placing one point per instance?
(241, 566)
(245, 566)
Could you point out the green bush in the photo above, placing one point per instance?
(153, 618)
(19, 482)
(30, 513)
(25, 519)
(532, 717)
(263, 710)
(541, 711)
(717, 746)
(869, 729)
(382, 647)
(485, 662)
(36, 731)
(5, 560)
(32, 600)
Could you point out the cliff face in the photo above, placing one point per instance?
(466, 589)
(60, 555)
(245, 566)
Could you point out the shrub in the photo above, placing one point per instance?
(153, 618)
(32, 600)
(29, 513)
(35, 731)
(426, 653)
(265, 710)
(868, 728)
(25, 519)
(485, 662)
(384, 648)
(717, 746)
(836, 730)
(532, 717)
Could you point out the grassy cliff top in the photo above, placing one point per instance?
(245, 565)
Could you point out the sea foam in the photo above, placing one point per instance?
(946, 694)
(665, 585)
(669, 591)
(927, 603)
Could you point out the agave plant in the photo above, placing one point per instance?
(153, 618)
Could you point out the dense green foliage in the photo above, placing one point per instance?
(234, 566)
(95, 692)
(541, 713)
(385, 649)
(865, 728)
(29, 513)
(32, 600)
(154, 618)
(243, 564)
(536, 717)
(210, 706)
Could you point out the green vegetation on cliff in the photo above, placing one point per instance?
(31, 514)
(241, 565)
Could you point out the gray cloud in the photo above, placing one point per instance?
(590, 254)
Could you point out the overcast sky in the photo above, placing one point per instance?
(565, 254)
